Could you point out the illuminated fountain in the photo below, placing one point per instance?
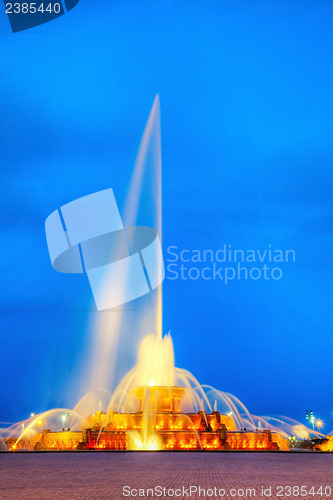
(156, 406)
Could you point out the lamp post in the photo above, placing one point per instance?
(310, 417)
(312, 421)
(319, 424)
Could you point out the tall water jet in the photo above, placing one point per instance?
(143, 207)
(143, 204)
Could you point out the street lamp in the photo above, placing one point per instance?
(310, 417)
(312, 422)
(319, 424)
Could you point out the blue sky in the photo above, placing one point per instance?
(246, 106)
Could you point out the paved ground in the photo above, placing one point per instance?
(103, 475)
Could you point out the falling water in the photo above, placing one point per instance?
(143, 204)
(143, 207)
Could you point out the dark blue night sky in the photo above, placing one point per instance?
(246, 92)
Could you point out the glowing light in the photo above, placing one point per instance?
(319, 424)
(155, 366)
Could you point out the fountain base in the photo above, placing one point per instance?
(159, 424)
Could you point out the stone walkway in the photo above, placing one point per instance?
(104, 475)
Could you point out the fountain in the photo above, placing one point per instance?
(156, 406)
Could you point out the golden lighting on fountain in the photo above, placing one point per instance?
(155, 364)
(155, 407)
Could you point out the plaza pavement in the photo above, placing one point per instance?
(98, 475)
